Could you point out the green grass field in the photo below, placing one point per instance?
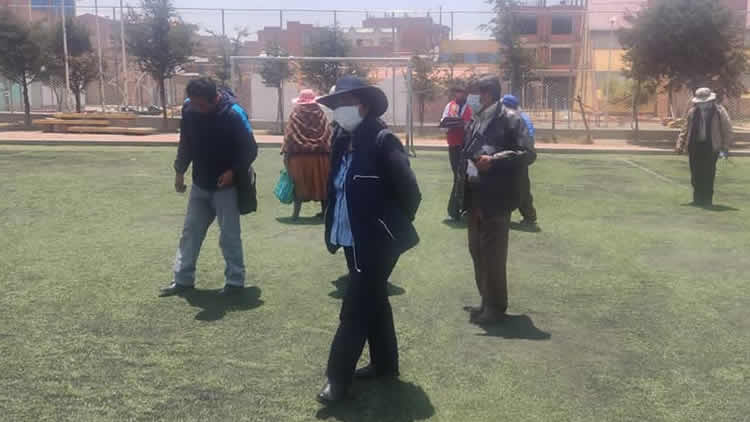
(630, 306)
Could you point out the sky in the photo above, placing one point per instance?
(465, 25)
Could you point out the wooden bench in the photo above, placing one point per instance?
(113, 130)
(95, 116)
(60, 125)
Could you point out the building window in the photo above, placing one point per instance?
(530, 53)
(561, 56)
(527, 25)
(562, 25)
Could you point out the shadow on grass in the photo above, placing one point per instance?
(301, 221)
(525, 227)
(390, 400)
(214, 307)
(516, 327)
(716, 207)
(455, 224)
(342, 282)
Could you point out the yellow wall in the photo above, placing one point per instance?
(601, 60)
(469, 46)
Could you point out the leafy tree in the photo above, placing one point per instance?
(274, 73)
(703, 46)
(229, 47)
(517, 64)
(321, 76)
(426, 82)
(23, 54)
(84, 69)
(83, 64)
(160, 42)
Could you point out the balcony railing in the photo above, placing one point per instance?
(552, 3)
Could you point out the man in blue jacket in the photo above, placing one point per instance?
(216, 137)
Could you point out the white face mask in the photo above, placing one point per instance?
(348, 117)
(473, 102)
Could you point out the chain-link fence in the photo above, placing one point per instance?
(578, 73)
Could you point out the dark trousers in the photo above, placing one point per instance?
(488, 244)
(528, 212)
(365, 315)
(702, 171)
(454, 208)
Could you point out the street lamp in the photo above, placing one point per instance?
(612, 22)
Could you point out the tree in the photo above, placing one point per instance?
(23, 54)
(426, 82)
(517, 64)
(229, 47)
(274, 73)
(703, 46)
(160, 42)
(84, 69)
(321, 76)
(83, 64)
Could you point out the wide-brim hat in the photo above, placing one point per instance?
(370, 95)
(306, 96)
(703, 95)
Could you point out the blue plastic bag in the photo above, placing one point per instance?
(284, 189)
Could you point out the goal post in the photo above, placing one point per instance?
(393, 75)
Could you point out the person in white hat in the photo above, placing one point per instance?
(707, 134)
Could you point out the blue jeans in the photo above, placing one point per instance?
(203, 207)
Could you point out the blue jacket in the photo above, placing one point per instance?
(381, 191)
(215, 142)
(529, 125)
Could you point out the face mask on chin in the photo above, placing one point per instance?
(473, 101)
(347, 117)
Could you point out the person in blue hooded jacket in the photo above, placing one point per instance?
(216, 138)
(526, 206)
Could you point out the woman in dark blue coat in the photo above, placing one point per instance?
(373, 198)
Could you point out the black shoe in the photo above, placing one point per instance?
(331, 393)
(473, 311)
(489, 317)
(369, 371)
(174, 289)
(528, 223)
(230, 290)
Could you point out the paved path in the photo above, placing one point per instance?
(168, 139)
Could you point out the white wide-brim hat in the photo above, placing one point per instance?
(703, 95)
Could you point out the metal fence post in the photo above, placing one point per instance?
(452, 13)
(66, 96)
(393, 70)
(125, 56)
(554, 115)
(223, 27)
(409, 112)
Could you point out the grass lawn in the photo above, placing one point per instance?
(630, 306)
